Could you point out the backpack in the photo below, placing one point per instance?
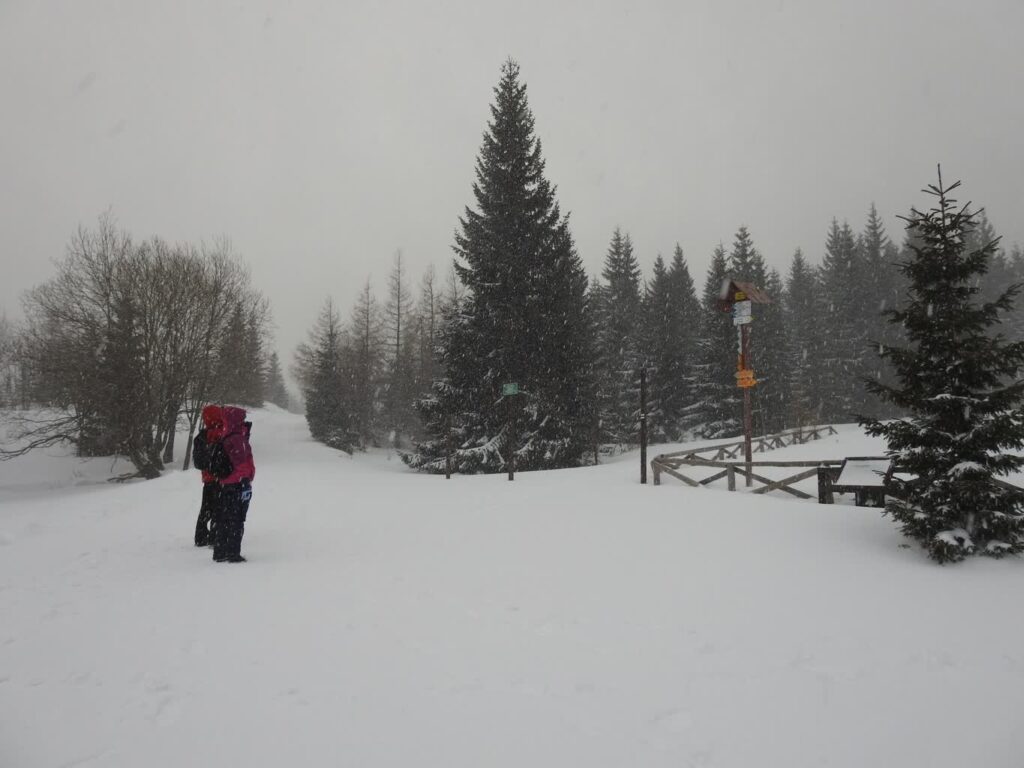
(219, 463)
(201, 452)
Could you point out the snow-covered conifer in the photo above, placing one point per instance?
(717, 409)
(959, 380)
(620, 351)
(523, 318)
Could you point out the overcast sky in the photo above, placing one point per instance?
(323, 136)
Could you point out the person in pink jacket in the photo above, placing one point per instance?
(235, 470)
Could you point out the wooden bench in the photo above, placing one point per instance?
(865, 477)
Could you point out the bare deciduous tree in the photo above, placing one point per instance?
(123, 341)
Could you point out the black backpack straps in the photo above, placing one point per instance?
(220, 464)
(201, 451)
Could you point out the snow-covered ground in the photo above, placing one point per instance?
(571, 618)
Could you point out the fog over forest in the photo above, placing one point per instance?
(321, 138)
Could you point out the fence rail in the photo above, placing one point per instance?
(829, 472)
(669, 463)
(723, 457)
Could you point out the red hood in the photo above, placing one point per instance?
(233, 418)
(236, 446)
(213, 416)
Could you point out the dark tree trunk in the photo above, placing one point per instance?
(172, 424)
(193, 421)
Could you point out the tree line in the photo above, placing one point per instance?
(360, 377)
(519, 308)
(127, 342)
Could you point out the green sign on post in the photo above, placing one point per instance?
(509, 389)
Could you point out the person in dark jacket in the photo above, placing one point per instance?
(233, 466)
(202, 448)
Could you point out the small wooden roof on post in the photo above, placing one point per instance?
(734, 290)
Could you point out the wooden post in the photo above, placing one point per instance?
(448, 450)
(643, 426)
(825, 495)
(511, 439)
(748, 423)
(731, 475)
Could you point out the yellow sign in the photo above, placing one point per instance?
(745, 378)
(740, 296)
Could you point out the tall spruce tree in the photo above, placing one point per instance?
(671, 318)
(620, 352)
(844, 299)
(804, 341)
(241, 371)
(274, 389)
(893, 334)
(325, 387)
(717, 408)
(881, 278)
(1000, 271)
(685, 302)
(232, 373)
(523, 320)
(252, 385)
(767, 334)
(772, 359)
(745, 262)
(959, 379)
(653, 342)
(1015, 261)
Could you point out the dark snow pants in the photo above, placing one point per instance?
(229, 519)
(204, 525)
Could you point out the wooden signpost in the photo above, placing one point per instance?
(738, 299)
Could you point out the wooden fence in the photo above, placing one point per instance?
(723, 457)
(869, 485)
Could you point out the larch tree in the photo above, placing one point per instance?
(399, 390)
(364, 365)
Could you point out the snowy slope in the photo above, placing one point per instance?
(571, 618)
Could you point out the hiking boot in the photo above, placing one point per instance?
(234, 559)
